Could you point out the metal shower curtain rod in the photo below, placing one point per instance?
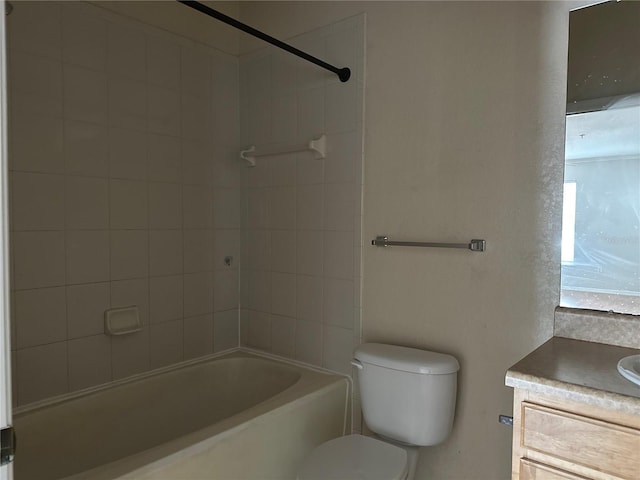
(343, 73)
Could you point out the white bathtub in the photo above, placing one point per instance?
(237, 416)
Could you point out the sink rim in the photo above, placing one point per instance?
(629, 368)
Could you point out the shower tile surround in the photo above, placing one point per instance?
(115, 199)
(301, 244)
(125, 190)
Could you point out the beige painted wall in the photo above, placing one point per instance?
(464, 133)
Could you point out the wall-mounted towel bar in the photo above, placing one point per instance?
(474, 245)
(317, 145)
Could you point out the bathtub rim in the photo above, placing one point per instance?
(48, 402)
(316, 383)
(51, 401)
(198, 441)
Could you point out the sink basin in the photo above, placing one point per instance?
(629, 368)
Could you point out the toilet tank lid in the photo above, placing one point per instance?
(406, 359)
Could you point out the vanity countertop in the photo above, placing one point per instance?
(581, 371)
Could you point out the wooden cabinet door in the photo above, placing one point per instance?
(536, 471)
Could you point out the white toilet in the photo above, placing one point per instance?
(408, 399)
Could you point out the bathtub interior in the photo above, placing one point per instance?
(267, 447)
(97, 428)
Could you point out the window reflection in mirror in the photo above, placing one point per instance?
(601, 211)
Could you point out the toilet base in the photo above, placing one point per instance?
(413, 452)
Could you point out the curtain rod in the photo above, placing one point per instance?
(343, 73)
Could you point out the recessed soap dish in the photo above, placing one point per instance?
(120, 321)
(629, 368)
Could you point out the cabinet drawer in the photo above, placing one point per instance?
(601, 446)
(536, 471)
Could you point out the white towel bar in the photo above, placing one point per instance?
(316, 145)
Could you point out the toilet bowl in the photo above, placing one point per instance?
(408, 398)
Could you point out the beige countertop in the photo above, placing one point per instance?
(579, 371)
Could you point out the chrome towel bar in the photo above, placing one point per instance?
(474, 245)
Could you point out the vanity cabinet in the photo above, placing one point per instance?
(556, 439)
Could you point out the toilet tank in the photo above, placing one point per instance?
(407, 394)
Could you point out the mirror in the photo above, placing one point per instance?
(601, 208)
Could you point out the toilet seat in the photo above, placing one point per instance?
(355, 457)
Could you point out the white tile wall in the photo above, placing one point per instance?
(309, 342)
(129, 252)
(39, 259)
(85, 94)
(310, 207)
(126, 52)
(165, 343)
(196, 162)
(309, 252)
(126, 191)
(259, 290)
(38, 29)
(283, 335)
(163, 153)
(87, 256)
(85, 309)
(338, 302)
(163, 62)
(283, 251)
(258, 247)
(196, 73)
(227, 208)
(226, 288)
(127, 148)
(45, 367)
(40, 316)
(301, 236)
(259, 330)
(132, 292)
(225, 330)
(337, 349)
(283, 294)
(197, 207)
(198, 250)
(165, 252)
(198, 336)
(338, 254)
(225, 243)
(86, 148)
(84, 39)
(164, 111)
(38, 201)
(165, 298)
(127, 103)
(89, 361)
(130, 354)
(45, 155)
(86, 203)
(198, 293)
(310, 298)
(165, 206)
(37, 82)
(121, 194)
(129, 204)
